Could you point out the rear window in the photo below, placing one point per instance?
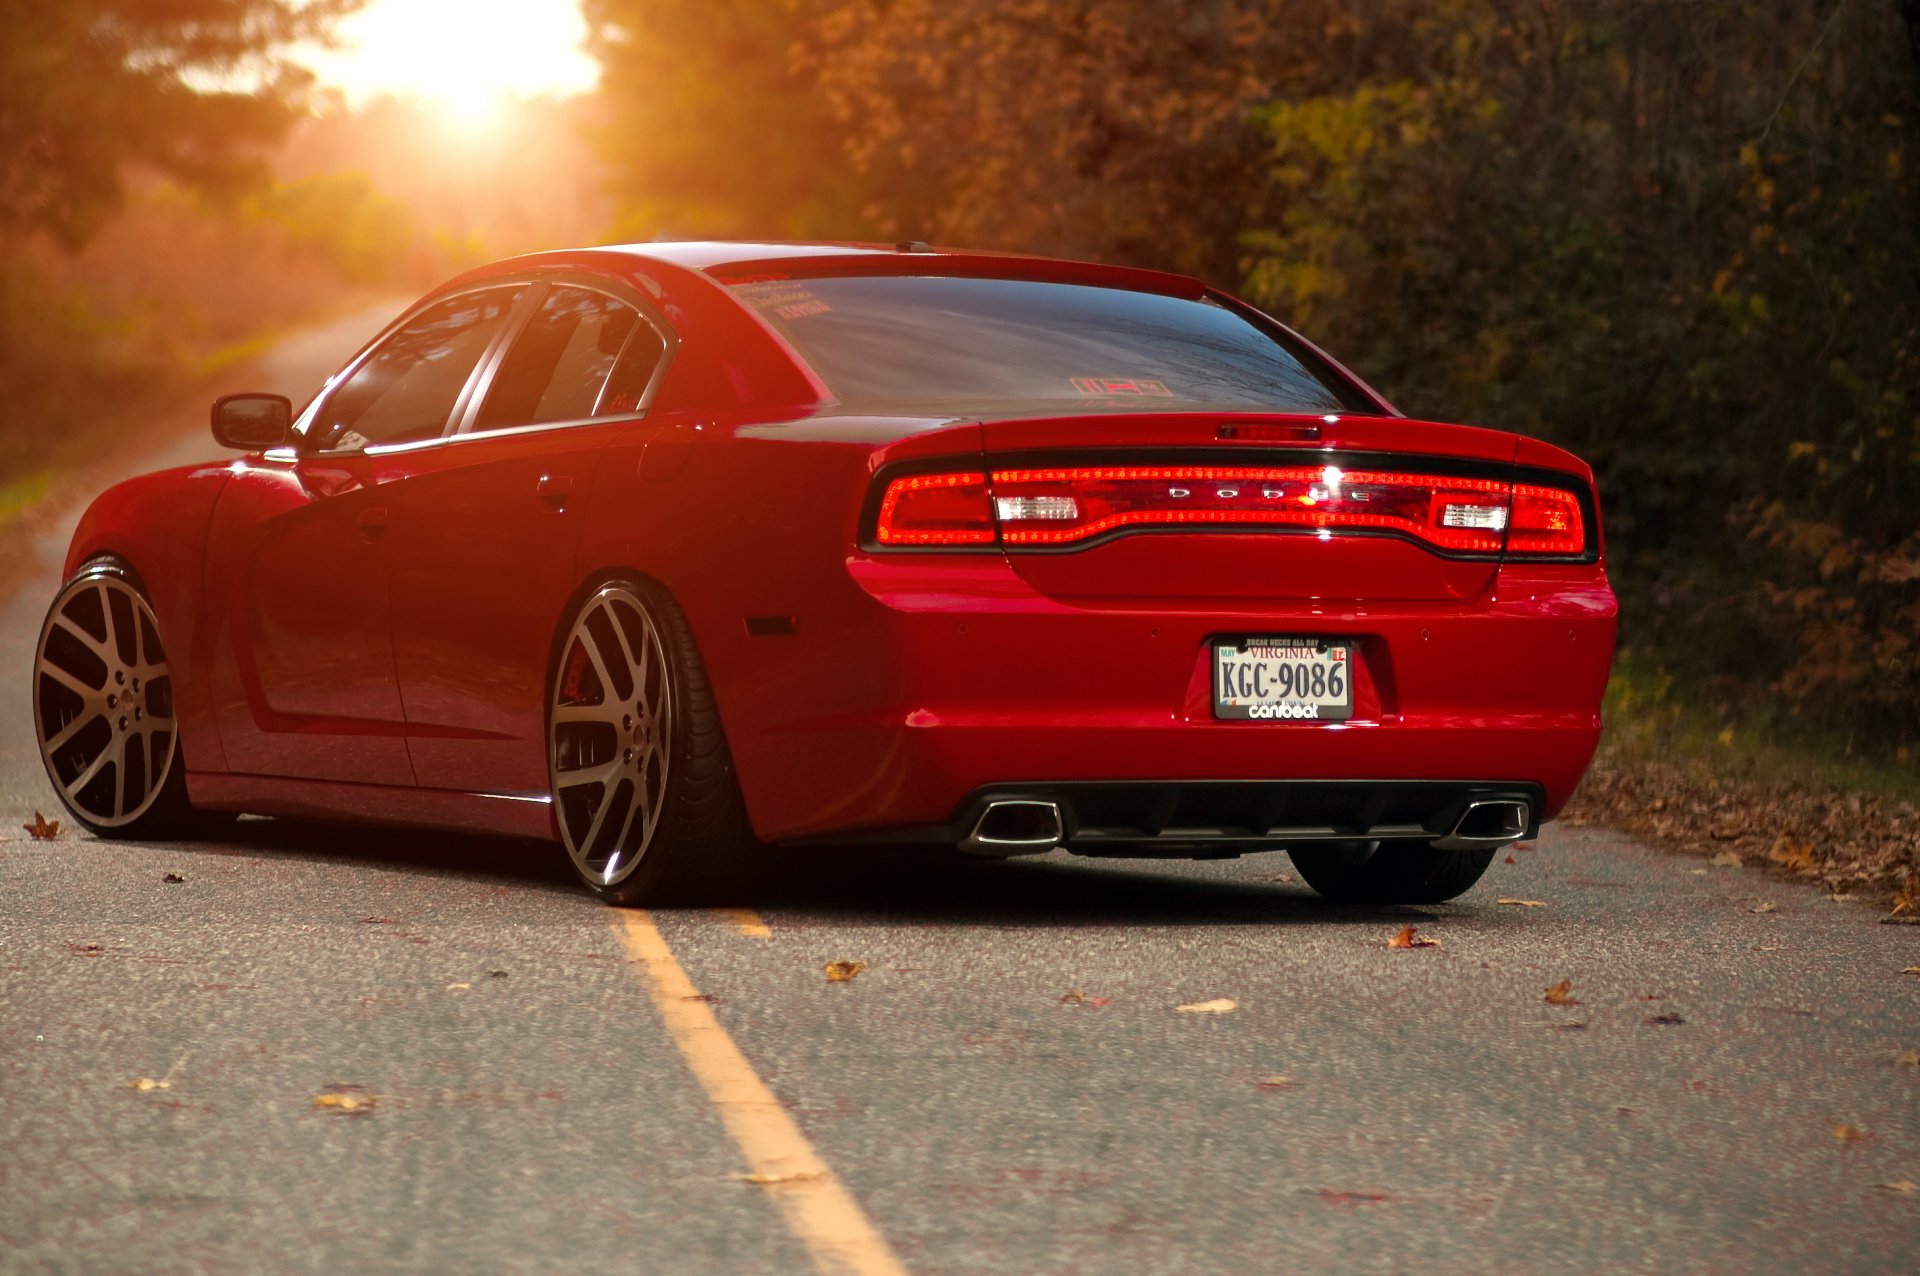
(977, 345)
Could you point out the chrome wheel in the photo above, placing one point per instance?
(610, 735)
(103, 701)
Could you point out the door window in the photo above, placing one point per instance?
(582, 354)
(407, 389)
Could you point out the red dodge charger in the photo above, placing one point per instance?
(673, 551)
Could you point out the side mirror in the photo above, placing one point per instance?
(252, 422)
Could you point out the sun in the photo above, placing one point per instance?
(467, 58)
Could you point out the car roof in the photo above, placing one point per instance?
(736, 262)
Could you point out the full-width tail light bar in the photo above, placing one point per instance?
(1053, 508)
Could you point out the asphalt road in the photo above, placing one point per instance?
(525, 1080)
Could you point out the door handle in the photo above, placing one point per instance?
(554, 489)
(373, 522)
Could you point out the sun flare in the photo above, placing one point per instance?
(467, 58)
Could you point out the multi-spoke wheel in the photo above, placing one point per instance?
(643, 791)
(103, 706)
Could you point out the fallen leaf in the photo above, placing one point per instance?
(1905, 970)
(1763, 906)
(85, 950)
(1667, 1018)
(458, 987)
(1911, 1059)
(774, 1180)
(1074, 997)
(840, 972)
(1725, 859)
(145, 1084)
(1561, 994)
(1332, 1197)
(706, 998)
(42, 829)
(1905, 1187)
(1509, 859)
(496, 974)
(1523, 903)
(173, 877)
(1218, 1006)
(1276, 1081)
(1790, 854)
(1407, 939)
(347, 1100)
(1851, 1134)
(1908, 900)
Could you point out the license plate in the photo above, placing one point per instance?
(1283, 679)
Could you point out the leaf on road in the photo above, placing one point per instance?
(147, 1084)
(1726, 859)
(1407, 939)
(1523, 903)
(1908, 900)
(1352, 1199)
(173, 878)
(85, 950)
(1905, 970)
(1796, 856)
(1668, 1018)
(1074, 997)
(1851, 1134)
(759, 1179)
(1903, 1187)
(705, 998)
(1218, 1006)
(840, 972)
(1561, 994)
(459, 987)
(1911, 1059)
(1276, 1081)
(496, 974)
(349, 1100)
(1763, 906)
(42, 829)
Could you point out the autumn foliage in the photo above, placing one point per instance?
(1675, 235)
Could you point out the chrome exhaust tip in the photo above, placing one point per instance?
(1016, 826)
(1488, 822)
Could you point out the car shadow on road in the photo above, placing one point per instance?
(892, 884)
(915, 884)
(528, 865)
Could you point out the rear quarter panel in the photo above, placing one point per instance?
(158, 524)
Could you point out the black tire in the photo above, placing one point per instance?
(1389, 872)
(700, 846)
(101, 629)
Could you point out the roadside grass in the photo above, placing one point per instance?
(1748, 783)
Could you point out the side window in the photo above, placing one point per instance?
(406, 390)
(560, 363)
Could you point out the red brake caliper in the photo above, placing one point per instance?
(576, 670)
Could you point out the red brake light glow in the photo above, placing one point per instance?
(1070, 505)
(936, 510)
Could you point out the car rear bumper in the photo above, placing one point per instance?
(895, 718)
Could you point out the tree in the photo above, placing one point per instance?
(716, 129)
(89, 89)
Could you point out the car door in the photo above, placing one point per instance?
(484, 540)
(302, 672)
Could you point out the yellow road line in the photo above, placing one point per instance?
(747, 922)
(818, 1209)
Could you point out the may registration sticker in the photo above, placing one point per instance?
(1283, 679)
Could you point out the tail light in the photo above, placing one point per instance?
(1046, 508)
